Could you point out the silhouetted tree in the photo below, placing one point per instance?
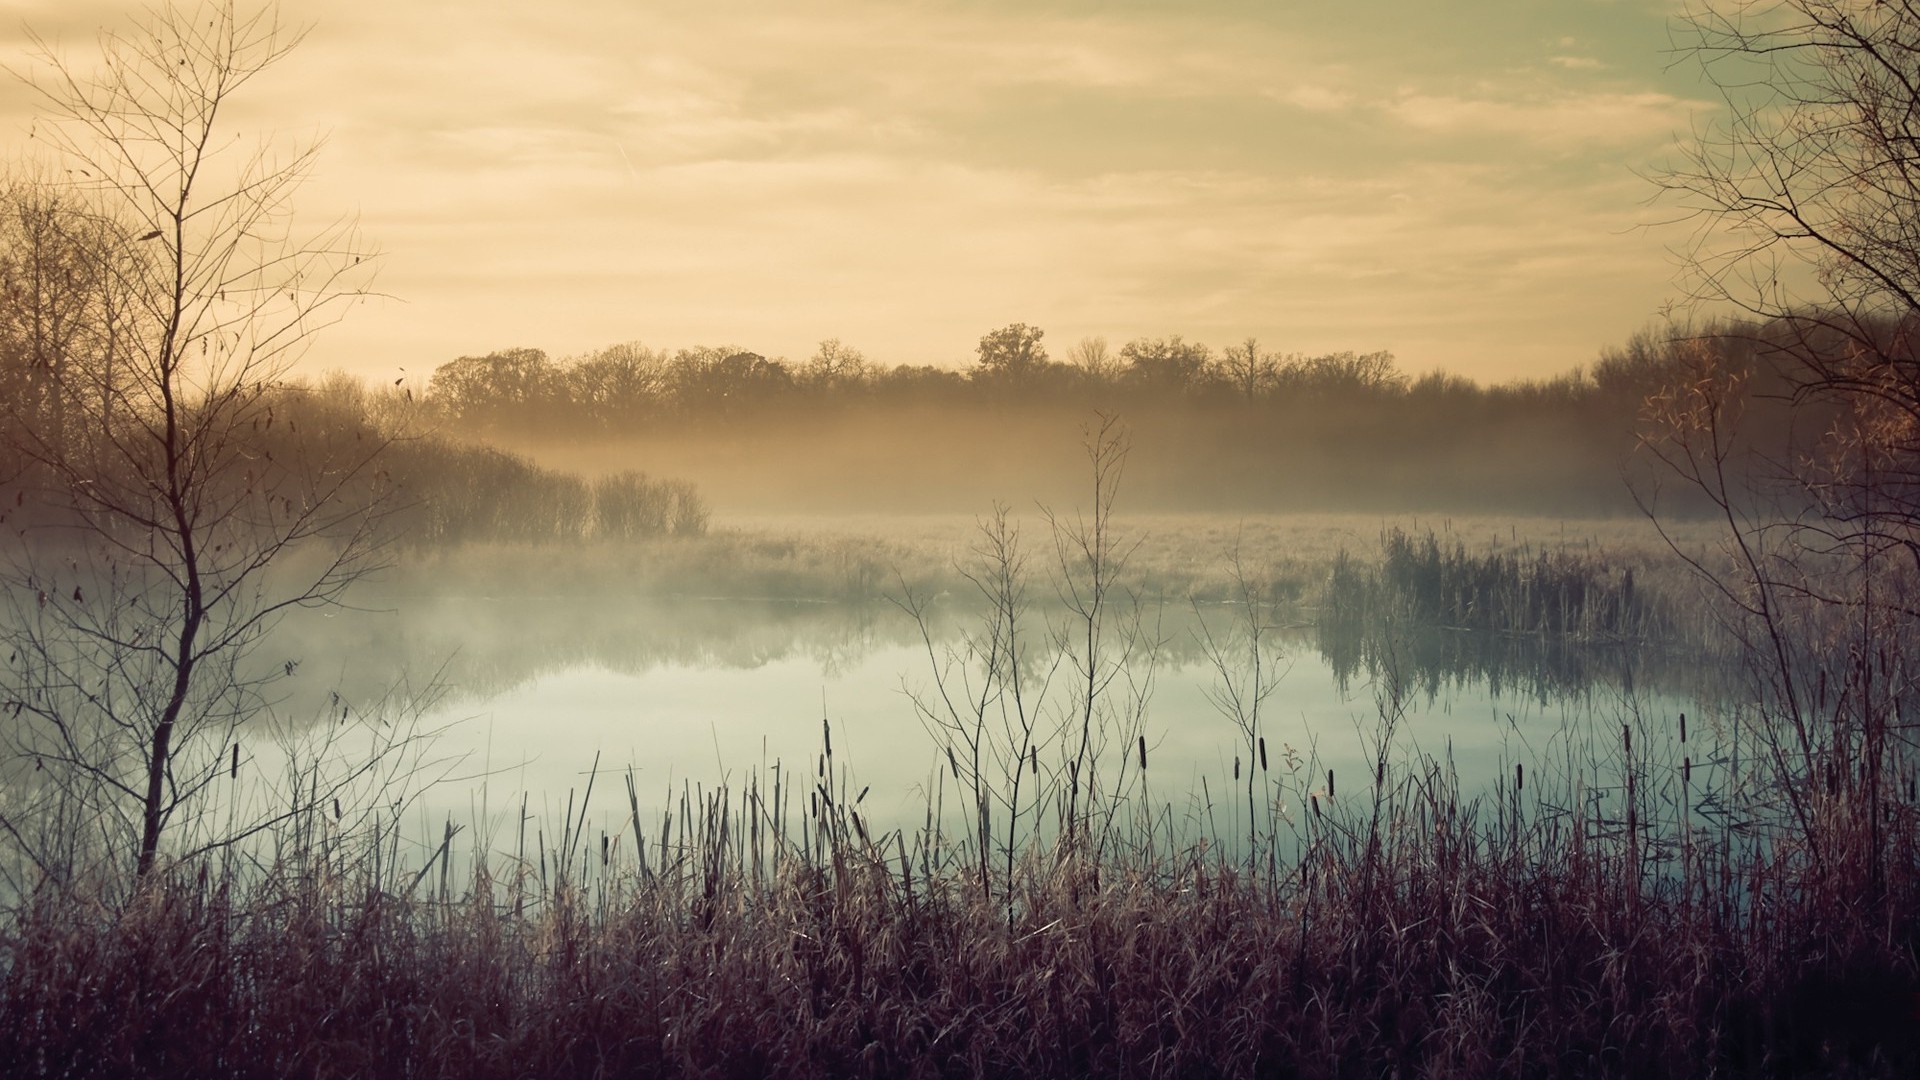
(1249, 371)
(130, 621)
(726, 381)
(1012, 352)
(616, 386)
(511, 385)
(1165, 364)
(837, 368)
(1093, 360)
(1342, 373)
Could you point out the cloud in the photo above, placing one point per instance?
(1557, 120)
(907, 176)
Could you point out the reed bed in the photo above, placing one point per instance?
(1715, 901)
(867, 557)
(1588, 924)
(1523, 590)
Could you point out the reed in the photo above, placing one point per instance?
(1682, 899)
(1409, 927)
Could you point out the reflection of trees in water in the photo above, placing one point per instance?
(1546, 667)
(482, 647)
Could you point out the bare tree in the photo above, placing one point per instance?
(836, 366)
(1805, 197)
(1247, 665)
(1110, 654)
(1094, 360)
(190, 513)
(1248, 370)
(986, 704)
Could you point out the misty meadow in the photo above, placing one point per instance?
(1122, 703)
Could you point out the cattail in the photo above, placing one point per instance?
(1143, 753)
(862, 795)
(1033, 759)
(1686, 770)
(1519, 776)
(605, 851)
(1315, 800)
(1329, 783)
(826, 735)
(1236, 766)
(1683, 727)
(1263, 753)
(233, 771)
(953, 765)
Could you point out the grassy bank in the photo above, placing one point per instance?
(1721, 898)
(1570, 926)
(1178, 557)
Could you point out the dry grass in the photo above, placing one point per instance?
(1652, 909)
(1179, 556)
(1399, 930)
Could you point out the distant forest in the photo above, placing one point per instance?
(1235, 429)
(629, 441)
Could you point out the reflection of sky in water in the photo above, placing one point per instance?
(681, 723)
(704, 692)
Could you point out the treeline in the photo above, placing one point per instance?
(523, 391)
(446, 491)
(1241, 428)
(336, 441)
(608, 389)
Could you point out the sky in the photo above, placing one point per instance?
(1464, 183)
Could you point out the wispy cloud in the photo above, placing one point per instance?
(906, 176)
(1558, 120)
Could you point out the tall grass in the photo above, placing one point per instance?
(1582, 924)
(1676, 899)
(1421, 581)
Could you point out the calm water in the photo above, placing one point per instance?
(702, 692)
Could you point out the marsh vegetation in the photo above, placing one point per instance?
(702, 713)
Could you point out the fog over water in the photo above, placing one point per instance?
(532, 690)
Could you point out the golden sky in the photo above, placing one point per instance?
(1462, 183)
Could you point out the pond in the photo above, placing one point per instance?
(692, 694)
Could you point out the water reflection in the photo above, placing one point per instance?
(478, 648)
(700, 691)
(1431, 661)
